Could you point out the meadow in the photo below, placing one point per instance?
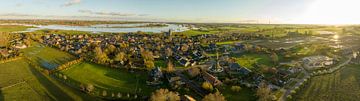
(47, 57)
(20, 81)
(248, 60)
(245, 94)
(342, 85)
(109, 79)
(13, 28)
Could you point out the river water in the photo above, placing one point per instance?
(114, 28)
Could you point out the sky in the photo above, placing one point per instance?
(212, 11)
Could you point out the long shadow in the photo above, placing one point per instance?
(1, 96)
(51, 87)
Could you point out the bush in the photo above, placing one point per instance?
(90, 88)
(293, 91)
(289, 97)
(104, 93)
(207, 86)
(235, 88)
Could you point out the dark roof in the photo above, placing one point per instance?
(210, 78)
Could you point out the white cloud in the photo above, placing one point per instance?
(103, 13)
(71, 2)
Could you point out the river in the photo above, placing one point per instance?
(113, 28)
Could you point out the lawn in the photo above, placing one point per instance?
(13, 28)
(249, 59)
(245, 94)
(342, 85)
(110, 79)
(47, 57)
(19, 81)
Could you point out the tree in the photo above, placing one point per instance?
(235, 88)
(148, 58)
(207, 85)
(82, 87)
(104, 93)
(214, 97)
(120, 57)
(90, 88)
(193, 72)
(149, 64)
(264, 92)
(274, 58)
(110, 49)
(185, 47)
(170, 67)
(164, 95)
(100, 56)
(168, 52)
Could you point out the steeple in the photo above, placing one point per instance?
(216, 67)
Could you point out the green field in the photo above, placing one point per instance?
(47, 57)
(13, 28)
(108, 78)
(245, 94)
(342, 85)
(248, 60)
(196, 32)
(227, 42)
(20, 81)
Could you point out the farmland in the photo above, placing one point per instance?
(20, 81)
(341, 85)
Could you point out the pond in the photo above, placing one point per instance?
(113, 28)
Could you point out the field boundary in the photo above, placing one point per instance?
(3, 88)
(10, 59)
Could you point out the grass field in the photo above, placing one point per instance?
(195, 32)
(245, 94)
(108, 78)
(249, 59)
(227, 42)
(47, 57)
(13, 28)
(19, 81)
(343, 85)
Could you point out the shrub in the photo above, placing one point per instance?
(235, 88)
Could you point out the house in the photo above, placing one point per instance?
(155, 76)
(211, 79)
(20, 46)
(216, 67)
(4, 53)
(167, 34)
(235, 68)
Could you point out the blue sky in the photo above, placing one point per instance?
(159, 10)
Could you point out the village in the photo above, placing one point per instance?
(180, 62)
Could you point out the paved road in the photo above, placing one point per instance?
(307, 75)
